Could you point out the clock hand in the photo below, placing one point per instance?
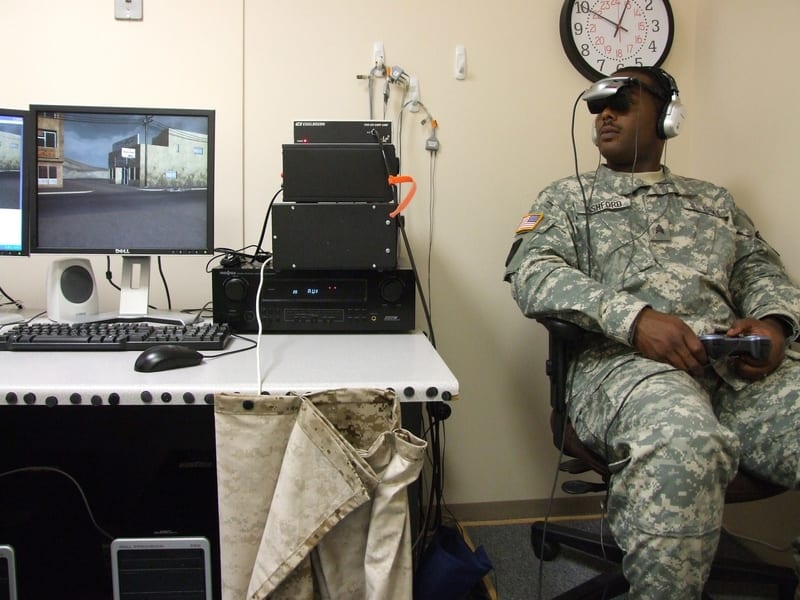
(622, 16)
(619, 27)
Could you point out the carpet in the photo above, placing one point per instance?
(515, 574)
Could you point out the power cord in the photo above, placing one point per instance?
(45, 469)
(10, 300)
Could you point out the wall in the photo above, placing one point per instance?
(183, 54)
(504, 134)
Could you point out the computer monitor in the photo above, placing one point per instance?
(13, 182)
(13, 191)
(134, 182)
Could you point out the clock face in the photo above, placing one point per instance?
(602, 36)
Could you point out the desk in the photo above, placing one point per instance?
(299, 363)
(141, 445)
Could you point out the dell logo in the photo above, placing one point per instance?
(122, 251)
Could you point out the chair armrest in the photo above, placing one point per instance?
(564, 331)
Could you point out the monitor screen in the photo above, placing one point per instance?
(13, 182)
(122, 180)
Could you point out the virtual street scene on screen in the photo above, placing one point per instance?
(122, 181)
(10, 182)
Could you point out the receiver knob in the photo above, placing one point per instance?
(235, 289)
(391, 290)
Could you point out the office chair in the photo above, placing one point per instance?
(564, 342)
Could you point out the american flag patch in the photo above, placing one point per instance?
(530, 222)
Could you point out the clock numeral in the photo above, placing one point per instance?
(648, 5)
(582, 7)
(577, 29)
(585, 49)
(656, 25)
(653, 46)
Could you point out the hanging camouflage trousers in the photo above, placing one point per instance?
(312, 495)
(673, 443)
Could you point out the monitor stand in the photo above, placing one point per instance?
(134, 298)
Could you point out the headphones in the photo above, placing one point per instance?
(672, 115)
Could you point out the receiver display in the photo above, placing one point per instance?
(316, 290)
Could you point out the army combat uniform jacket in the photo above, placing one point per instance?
(597, 252)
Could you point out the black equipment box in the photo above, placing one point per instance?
(345, 235)
(342, 132)
(315, 301)
(338, 172)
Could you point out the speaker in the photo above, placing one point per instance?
(71, 290)
(8, 573)
(168, 567)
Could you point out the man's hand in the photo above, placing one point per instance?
(668, 339)
(748, 367)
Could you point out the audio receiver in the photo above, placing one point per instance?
(315, 301)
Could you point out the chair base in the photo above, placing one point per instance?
(612, 582)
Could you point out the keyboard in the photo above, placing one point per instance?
(114, 336)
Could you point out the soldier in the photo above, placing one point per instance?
(647, 261)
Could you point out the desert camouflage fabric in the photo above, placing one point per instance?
(673, 441)
(312, 495)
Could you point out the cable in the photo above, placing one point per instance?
(73, 480)
(423, 301)
(583, 191)
(164, 281)
(259, 247)
(785, 548)
(260, 327)
(10, 300)
(431, 214)
(229, 352)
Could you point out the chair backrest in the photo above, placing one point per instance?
(563, 343)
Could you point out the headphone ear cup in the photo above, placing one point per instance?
(669, 125)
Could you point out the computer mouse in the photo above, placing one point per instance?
(163, 357)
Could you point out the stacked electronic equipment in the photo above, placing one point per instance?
(334, 240)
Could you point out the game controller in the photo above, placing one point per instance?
(719, 345)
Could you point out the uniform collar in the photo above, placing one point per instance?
(626, 184)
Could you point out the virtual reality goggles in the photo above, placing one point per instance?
(615, 93)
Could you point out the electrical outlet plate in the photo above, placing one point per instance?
(378, 54)
(460, 67)
(128, 10)
(413, 94)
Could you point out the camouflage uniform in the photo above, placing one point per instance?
(680, 246)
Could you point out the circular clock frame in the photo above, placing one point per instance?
(641, 34)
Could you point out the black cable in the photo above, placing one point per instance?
(39, 469)
(10, 299)
(259, 248)
(164, 281)
(583, 191)
(423, 300)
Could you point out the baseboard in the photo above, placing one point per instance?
(525, 510)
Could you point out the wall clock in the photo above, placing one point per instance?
(602, 36)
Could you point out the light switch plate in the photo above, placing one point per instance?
(128, 10)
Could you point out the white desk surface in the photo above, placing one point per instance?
(298, 363)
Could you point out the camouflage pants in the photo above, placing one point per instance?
(312, 497)
(673, 443)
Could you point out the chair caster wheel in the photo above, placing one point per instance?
(544, 551)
